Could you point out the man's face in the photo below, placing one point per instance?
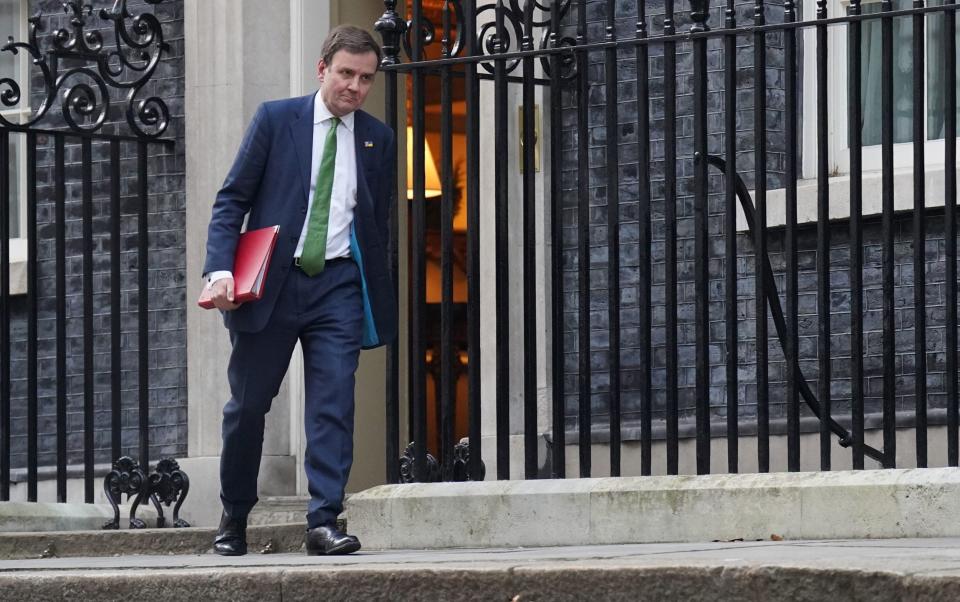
(345, 82)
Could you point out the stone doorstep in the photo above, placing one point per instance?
(794, 506)
(282, 510)
(195, 540)
(279, 510)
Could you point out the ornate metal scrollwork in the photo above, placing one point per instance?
(85, 88)
(461, 462)
(429, 33)
(397, 33)
(552, 38)
(461, 465)
(515, 30)
(407, 472)
(126, 478)
(165, 485)
(169, 485)
(491, 41)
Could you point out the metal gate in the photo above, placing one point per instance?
(100, 86)
(718, 105)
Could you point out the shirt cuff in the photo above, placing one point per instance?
(217, 275)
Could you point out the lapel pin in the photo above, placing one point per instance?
(368, 144)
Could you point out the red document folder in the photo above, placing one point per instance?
(250, 266)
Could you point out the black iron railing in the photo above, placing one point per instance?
(88, 79)
(695, 107)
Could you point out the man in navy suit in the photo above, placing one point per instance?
(321, 169)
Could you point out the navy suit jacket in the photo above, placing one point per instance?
(270, 181)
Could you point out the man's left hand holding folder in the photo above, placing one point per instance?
(222, 294)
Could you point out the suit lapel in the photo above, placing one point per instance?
(301, 129)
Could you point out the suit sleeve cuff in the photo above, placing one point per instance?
(217, 275)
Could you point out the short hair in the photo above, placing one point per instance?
(350, 38)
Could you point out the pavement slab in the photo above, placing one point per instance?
(903, 569)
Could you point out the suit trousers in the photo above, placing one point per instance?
(325, 313)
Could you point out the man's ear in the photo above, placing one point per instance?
(321, 68)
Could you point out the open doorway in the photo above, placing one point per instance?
(434, 176)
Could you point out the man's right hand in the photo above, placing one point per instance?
(222, 294)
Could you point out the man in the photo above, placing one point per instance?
(321, 169)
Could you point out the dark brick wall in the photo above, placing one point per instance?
(628, 175)
(167, 321)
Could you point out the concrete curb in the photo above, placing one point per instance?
(260, 539)
(557, 582)
(821, 505)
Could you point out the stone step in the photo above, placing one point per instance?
(285, 510)
(280, 510)
(719, 507)
(195, 540)
(879, 571)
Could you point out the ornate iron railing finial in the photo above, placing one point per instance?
(699, 14)
(391, 28)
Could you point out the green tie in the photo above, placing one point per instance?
(314, 253)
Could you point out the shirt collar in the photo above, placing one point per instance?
(321, 113)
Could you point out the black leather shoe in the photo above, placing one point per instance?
(231, 537)
(327, 540)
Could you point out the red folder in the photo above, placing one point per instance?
(250, 266)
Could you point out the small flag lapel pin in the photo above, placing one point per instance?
(368, 144)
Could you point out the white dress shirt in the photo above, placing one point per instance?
(343, 197)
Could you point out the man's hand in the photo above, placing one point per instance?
(222, 294)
